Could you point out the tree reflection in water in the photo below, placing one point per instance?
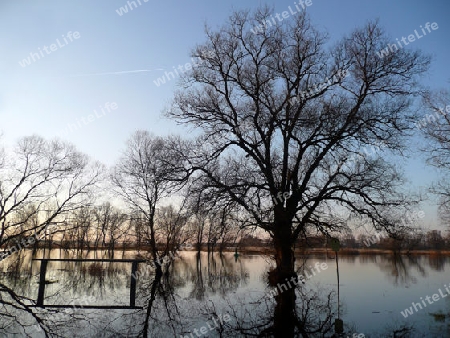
(399, 268)
(190, 292)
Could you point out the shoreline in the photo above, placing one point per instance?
(255, 250)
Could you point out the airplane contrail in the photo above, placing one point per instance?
(119, 72)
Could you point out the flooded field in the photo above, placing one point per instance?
(224, 296)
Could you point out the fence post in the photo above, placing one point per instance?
(41, 292)
(134, 266)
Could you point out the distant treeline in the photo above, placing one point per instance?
(424, 240)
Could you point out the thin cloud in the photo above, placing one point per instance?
(119, 72)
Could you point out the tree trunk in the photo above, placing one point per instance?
(153, 291)
(284, 318)
(284, 255)
(153, 247)
(284, 278)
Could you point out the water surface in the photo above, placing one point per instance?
(225, 296)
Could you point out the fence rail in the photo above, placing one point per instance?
(43, 272)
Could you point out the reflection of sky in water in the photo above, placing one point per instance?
(374, 293)
(373, 289)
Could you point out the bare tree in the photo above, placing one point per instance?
(137, 229)
(109, 226)
(289, 155)
(223, 226)
(83, 224)
(171, 228)
(211, 222)
(41, 183)
(199, 224)
(435, 125)
(229, 229)
(148, 171)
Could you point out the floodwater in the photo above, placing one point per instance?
(225, 296)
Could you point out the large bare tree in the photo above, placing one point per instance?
(284, 115)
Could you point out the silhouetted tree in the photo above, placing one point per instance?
(149, 170)
(287, 155)
(435, 125)
(41, 183)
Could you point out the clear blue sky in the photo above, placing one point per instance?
(66, 85)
